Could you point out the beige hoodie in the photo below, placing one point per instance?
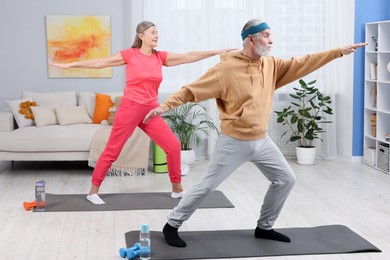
(244, 89)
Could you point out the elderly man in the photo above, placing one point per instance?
(243, 84)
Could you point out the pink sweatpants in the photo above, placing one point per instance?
(128, 116)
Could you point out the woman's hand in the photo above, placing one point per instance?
(226, 50)
(60, 65)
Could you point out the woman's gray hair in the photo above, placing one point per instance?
(141, 28)
(249, 24)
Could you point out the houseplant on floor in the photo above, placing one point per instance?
(189, 122)
(304, 117)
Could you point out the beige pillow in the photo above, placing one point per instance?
(73, 115)
(53, 99)
(44, 116)
(14, 106)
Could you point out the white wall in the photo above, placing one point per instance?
(23, 49)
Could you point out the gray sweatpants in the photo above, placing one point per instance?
(228, 155)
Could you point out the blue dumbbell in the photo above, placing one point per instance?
(123, 251)
(132, 253)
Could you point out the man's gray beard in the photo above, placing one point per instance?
(260, 50)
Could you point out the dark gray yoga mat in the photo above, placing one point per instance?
(127, 201)
(332, 239)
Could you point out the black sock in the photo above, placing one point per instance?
(271, 235)
(172, 237)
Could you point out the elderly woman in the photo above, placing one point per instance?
(143, 77)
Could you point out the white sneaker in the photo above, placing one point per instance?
(177, 195)
(185, 169)
(95, 199)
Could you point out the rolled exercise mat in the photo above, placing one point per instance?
(159, 159)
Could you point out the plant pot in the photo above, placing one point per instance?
(187, 160)
(306, 155)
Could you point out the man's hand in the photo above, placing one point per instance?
(154, 112)
(352, 48)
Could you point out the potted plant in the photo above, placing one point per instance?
(304, 118)
(188, 122)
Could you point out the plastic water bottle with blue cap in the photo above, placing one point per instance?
(144, 240)
(40, 195)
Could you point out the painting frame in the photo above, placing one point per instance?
(72, 38)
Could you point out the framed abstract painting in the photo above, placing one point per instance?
(75, 38)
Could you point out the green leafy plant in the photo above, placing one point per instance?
(304, 117)
(188, 121)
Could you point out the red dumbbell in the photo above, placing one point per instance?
(30, 205)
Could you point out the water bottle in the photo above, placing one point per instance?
(40, 195)
(144, 240)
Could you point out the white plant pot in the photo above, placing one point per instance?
(306, 156)
(188, 157)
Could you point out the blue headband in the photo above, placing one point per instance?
(254, 29)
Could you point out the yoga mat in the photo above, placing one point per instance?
(332, 239)
(126, 201)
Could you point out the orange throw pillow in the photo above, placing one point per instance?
(102, 105)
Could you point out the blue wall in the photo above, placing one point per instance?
(365, 11)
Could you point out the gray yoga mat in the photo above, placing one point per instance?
(127, 201)
(332, 239)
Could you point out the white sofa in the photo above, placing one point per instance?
(67, 140)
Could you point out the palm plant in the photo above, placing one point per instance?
(304, 123)
(188, 121)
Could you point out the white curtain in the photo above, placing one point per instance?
(298, 27)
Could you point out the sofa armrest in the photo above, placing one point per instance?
(6, 122)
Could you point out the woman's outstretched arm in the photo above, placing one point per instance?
(114, 60)
(174, 59)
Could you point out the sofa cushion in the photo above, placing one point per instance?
(103, 104)
(89, 98)
(72, 115)
(53, 99)
(44, 116)
(53, 138)
(14, 106)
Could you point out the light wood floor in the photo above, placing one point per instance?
(331, 192)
